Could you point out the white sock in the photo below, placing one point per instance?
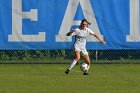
(72, 64)
(87, 69)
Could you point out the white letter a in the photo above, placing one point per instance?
(69, 17)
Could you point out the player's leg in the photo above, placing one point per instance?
(87, 60)
(77, 58)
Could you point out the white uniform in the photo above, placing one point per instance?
(81, 36)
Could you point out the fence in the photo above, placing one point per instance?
(65, 56)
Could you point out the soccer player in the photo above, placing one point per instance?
(80, 45)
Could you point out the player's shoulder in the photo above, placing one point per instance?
(77, 29)
(88, 29)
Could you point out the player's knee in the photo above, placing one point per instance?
(88, 62)
(77, 58)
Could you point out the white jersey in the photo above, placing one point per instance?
(81, 36)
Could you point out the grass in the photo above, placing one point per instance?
(48, 78)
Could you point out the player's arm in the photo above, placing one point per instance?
(70, 33)
(102, 41)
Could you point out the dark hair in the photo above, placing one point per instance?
(84, 20)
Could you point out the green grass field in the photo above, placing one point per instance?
(45, 78)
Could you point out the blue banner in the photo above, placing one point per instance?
(43, 24)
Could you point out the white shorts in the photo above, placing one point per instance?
(82, 50)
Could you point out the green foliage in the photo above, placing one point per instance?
(63, 55)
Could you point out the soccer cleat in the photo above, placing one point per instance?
(85, 73)
(67, 71)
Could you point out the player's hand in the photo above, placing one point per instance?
(103, 42)
(69, 33)
(73, 30)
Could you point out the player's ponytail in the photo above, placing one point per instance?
(84, 20)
